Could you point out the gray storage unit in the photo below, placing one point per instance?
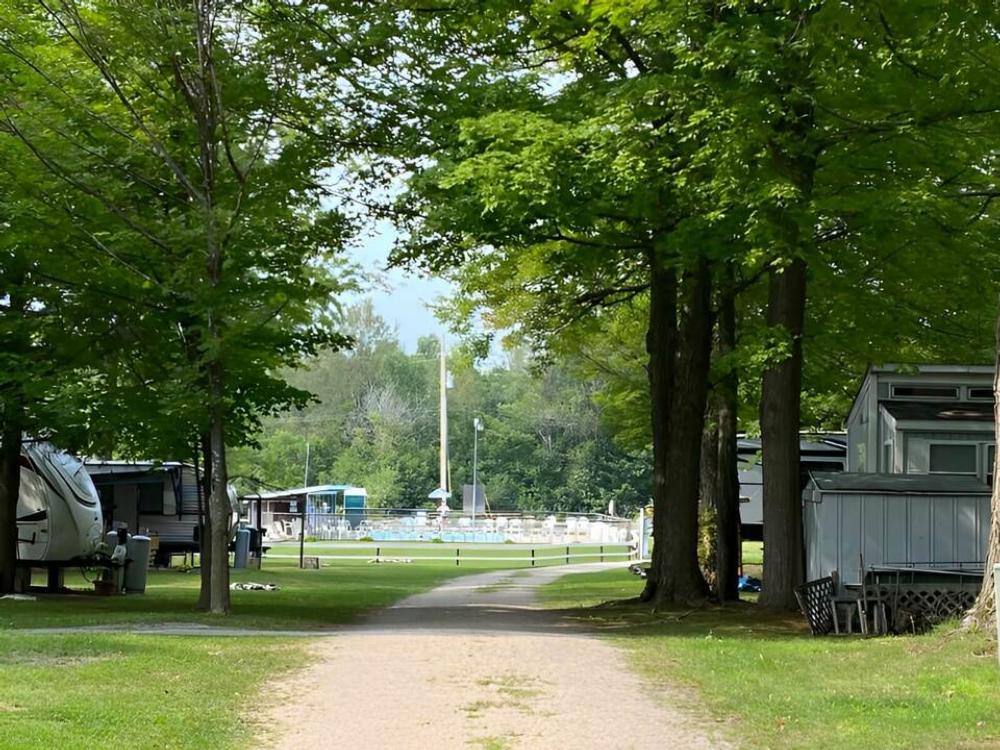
(937, 521)
(138, 564)
(242, 548)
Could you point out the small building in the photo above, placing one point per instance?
(924, 419)
(916, 493)
(854, 522)
(326, 507)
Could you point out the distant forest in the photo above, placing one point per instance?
(546, 444)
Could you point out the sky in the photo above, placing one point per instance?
(401, 297)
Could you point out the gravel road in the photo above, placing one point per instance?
(474, 664)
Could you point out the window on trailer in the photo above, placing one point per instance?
(953, 458)
(946, 392)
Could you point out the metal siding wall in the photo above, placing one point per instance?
(822, 540)
(855, 442)
(897, 514)
(810, 511)
(884, 431)
(829, 534)
(943, 530)
(919, 538)
(984, 519)
(892, 529)
(873, 525)
(169, 528)
(967, 525)
(851, 535)
(873, 444)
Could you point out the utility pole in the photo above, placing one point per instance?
(477, 427)
(305, 479)
(444, 419)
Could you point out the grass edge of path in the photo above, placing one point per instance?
(767, 683)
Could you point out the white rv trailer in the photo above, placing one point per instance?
(58, 508)
(158, 498)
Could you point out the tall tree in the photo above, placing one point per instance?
(589, 197)
(185, 173)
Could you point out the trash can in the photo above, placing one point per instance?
(242, 548)
(138, 565)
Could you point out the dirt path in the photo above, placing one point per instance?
(472, 665)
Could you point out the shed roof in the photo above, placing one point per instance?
(927, 368)
(96, 466)
(319, 489)
(940, 411)
(904, 484)
(825, 443)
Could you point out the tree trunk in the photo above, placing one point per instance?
(204, 523)
(727, 508)
(10, 487)
(661, 345)
(675, 573)
(12, 426)
(983, 612)
(708, 497)
(218, 501)
(709, 466)
(779, 425)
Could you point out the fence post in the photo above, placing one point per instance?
(567, 555)
(532, 557)
(602, 553)
(457, 552)
(378, 552)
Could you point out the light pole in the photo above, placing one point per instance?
(477, 426)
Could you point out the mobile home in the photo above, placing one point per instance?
(161, 499)
(923, 419)
(817, 452)
(916, 493)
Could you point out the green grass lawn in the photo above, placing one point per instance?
(336, 593)
(147, 691)
(753, 553)
(775, 686)
(305, 599)
(102, 690)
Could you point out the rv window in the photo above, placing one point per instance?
(980, 394)
(151, 499)
(925, 391)
(952, 458)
